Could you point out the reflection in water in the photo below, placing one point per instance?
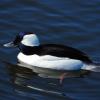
(42, 80)
(25, 82)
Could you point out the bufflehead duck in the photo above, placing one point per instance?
(51, 56)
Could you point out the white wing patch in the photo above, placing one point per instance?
(51, 62)
(30, 40)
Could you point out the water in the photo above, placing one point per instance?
(70, 22)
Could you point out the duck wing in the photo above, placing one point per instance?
(64, 51)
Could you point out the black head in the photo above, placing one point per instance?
(17, 39)
(20, 36)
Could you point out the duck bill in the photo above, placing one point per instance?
(10, 44)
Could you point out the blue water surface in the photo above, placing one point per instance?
(70, 22)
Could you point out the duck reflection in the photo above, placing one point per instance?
(19, 73)
(39, 79)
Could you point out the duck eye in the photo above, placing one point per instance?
(17, 40)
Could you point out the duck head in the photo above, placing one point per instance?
(26, 38)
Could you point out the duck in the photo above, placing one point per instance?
(51, 56)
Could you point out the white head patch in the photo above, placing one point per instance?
(30, 40)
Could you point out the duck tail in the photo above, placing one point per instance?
(95, 67)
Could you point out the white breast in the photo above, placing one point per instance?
(51, 62)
